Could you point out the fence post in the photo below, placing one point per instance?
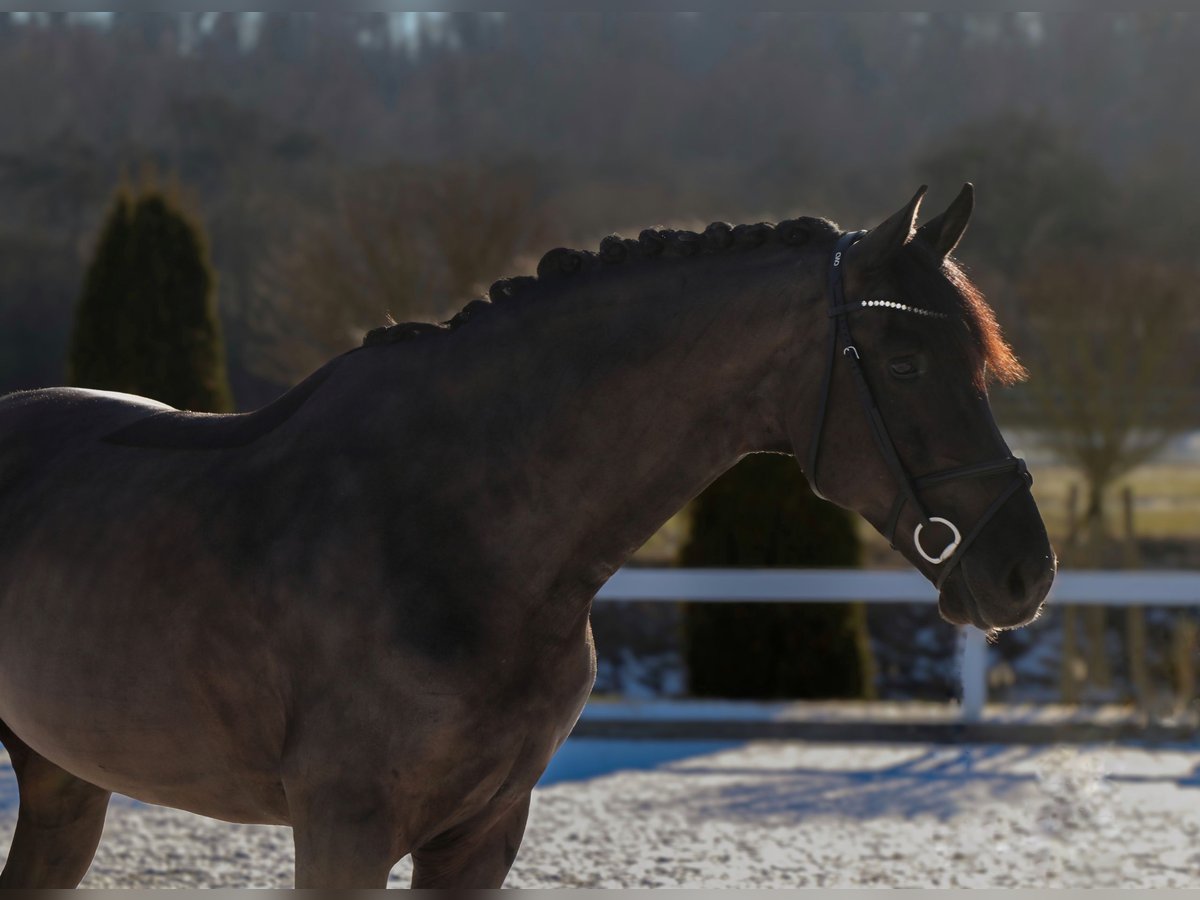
(973, 671)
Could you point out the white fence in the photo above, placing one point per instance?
(1090, 588)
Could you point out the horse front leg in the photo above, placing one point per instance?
(476, 855)
(341, 843)
(59, 822)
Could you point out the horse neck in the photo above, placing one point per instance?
(587, 413)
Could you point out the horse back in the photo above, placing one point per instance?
(36, 427)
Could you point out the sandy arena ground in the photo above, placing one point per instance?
(767, 814)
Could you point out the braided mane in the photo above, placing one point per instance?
(652, 243)
(942, 282)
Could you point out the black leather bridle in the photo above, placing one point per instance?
(910, 488)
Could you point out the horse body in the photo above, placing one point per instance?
(363, 610)
(136, 657)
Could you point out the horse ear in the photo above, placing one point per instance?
(942, 233)
(878, 245)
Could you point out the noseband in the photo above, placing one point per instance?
(910, 488)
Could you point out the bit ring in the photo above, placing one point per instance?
(950, 548)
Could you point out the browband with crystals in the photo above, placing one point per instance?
(843, 308)
(903, 307)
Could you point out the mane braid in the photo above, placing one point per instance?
(652, 243)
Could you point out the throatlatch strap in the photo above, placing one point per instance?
(814, 446)
(836, 299)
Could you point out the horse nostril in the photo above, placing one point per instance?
(1029, 581)
(1037, 580)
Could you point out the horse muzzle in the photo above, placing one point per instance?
(973, 595)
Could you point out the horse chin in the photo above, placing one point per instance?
(957, 603)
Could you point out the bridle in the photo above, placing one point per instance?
(910, 488)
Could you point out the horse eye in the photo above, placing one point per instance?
(904, 368)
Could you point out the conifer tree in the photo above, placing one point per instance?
(762, 513)
(146, 322)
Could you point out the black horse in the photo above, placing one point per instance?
(362, 611)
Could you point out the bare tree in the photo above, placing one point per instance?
(403, 242)
(1109, 343)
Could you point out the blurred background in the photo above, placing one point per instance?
(317, 173)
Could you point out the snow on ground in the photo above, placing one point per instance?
(768, 814)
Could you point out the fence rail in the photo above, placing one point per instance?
(1084, 588)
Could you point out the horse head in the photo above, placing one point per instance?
(904, 433)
